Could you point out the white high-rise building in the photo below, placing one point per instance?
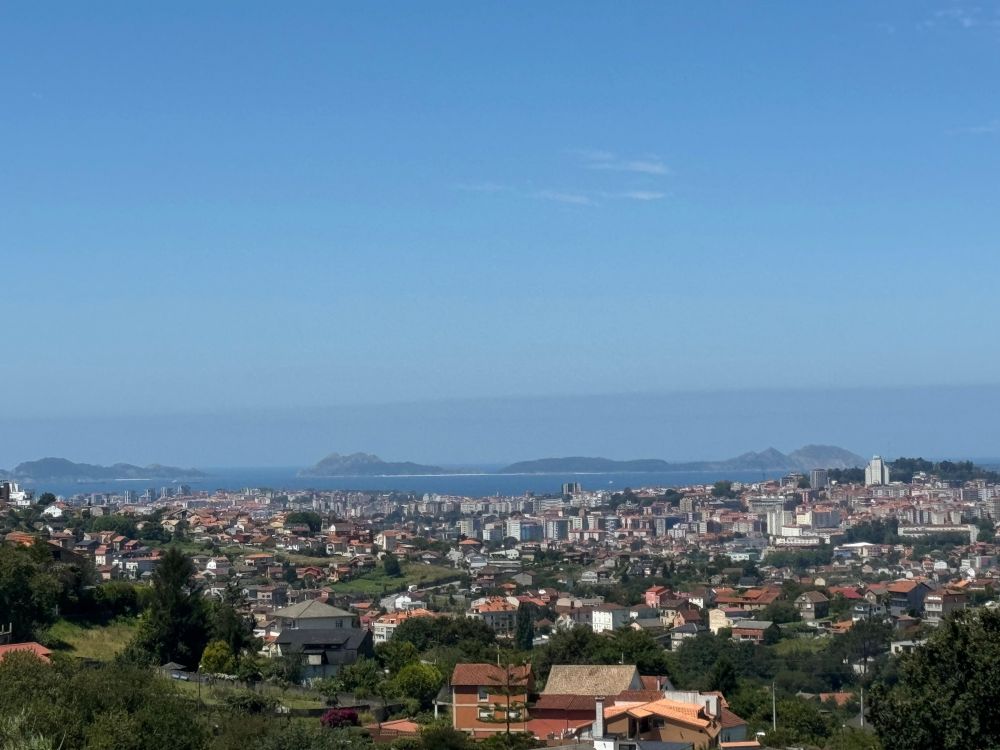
(877, 472)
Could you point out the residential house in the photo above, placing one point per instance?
(608, 617)
(498, 613)
(940, 604)
(324, 651)
(812, 605)
(681, 718)
(655, 596)
(488, 699)
(681, 633)
(313, 614)
(751, 631)
(907, 596)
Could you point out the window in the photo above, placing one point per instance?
(484, 694)
(485, 714)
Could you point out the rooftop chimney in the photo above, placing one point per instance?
(598, 718)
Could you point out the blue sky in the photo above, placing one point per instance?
(233, 207)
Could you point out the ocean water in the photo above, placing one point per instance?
(469, 485)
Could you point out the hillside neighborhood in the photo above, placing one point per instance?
(554, 594)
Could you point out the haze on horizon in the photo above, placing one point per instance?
(251, 234)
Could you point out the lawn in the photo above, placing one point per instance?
(100, 642)
(792, 645)
(376, 582)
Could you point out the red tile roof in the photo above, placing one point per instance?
(36, 648)
(489, 674)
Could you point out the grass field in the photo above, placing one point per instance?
(213, 695)
(101, 642)
(376, 582)
(793, 645)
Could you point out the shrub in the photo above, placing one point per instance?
(248, 703)
(336, 718)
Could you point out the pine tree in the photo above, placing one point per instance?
(524, 632)
(175, 626)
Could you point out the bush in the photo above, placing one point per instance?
(248, 704)
(336, 718)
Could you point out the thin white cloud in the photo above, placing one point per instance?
(989, 128)
(642, 195)
(483, 187)
(593, 154)
(963, 15)
(560, 196)
(606, 160)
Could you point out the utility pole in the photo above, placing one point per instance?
(774, 709)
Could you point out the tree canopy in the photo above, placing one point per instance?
(175, 626)
(947, 692)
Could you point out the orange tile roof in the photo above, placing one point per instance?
(687, 713)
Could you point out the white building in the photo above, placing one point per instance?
(608, 617)
(877, 472)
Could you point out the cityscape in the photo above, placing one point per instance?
(587, 610)
(499, 376)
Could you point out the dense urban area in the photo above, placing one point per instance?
(841, 609)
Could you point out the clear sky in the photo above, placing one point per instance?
(239, 207)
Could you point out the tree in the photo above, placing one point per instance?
(390, 564)
(228, 625)
(865, 640)
(580, 645)
(117, 523)
(724, 677)
(781, 611)
(510, 741)
(524, 632)
(425, 633)
(313, 520)
(249, 703)
(443, 737)
(396, 654)
(800, 721)
(104, 707)
(175, 626)
(217, 658)
(29, 591)
(361, 679)
(282, 735)
(287, 668)
(948, 692)
(853, 739)
(508, 687)
(723, 488)
(418, 681)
